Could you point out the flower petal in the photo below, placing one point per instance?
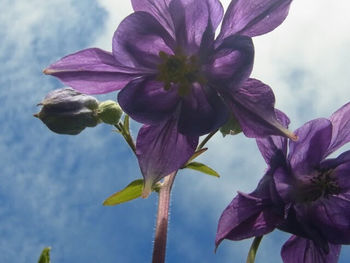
(246, 216)
(202, 111)
(93, 71)
(147, 102)
(192, 18)
(284, 184)
(331, 164)
(342, 173)
(332, 216)
(273, 147)
(159, 9)
(138, 40)
(161, 150)
(307, 153)
(301, 250)
(232, 62)
(253, 106)
(253, 17)
(341, 128)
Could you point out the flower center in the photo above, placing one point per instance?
(181, 70)
(322, 185)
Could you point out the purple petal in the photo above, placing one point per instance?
(159, 9)
(138, 40)
(253, 17)
(342, 173)
(147, 102)
(246, 216)
(301, 250)
(307, 153)
(332, 217)
(93, 71)
(253, 106)
(331, 164)
(232, 61)
(161, 150)
(216, 12)
(272, 146)
(284, 184)
(341, 128)
(192, 18)
(202, 111)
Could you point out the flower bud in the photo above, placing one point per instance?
(109, 112)
(231, 127)
(67, 111)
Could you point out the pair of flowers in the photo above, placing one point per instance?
(180, 82)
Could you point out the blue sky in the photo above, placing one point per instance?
(52, 186)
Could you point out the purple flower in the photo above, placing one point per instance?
(302, 193)
(170, 68)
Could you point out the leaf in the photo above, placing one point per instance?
(195, 155)
(130, 192)
(45, 256)
(202, 168)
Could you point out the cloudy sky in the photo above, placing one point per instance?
(52, 186)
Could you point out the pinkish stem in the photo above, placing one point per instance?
(160, 239)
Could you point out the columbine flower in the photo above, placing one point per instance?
(173, 74)
(302, 193)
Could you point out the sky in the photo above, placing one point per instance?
(52, 186)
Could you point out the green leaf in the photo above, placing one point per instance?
(45, 256)
(202, 168)
(131, 192)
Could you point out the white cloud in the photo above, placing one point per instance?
(117, 11)
(305, 60)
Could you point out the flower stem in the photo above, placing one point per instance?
(160, 239)
(253, 249)
(127, 136)
(206, 139)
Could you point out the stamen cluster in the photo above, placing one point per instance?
(181, 70)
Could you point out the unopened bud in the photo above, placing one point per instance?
(109, 112)
(67, 111)
(231, 127)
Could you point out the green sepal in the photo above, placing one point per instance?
(202, 168)
(156, 187)
(231, 127)
(45, 256)
(130, 192)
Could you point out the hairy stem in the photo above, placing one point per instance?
(160, 239)
(253, 249)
